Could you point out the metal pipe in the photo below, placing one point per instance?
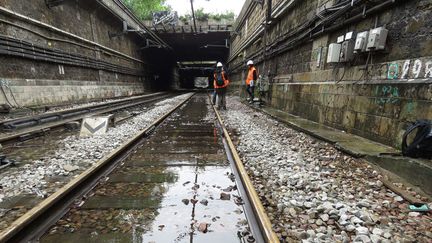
(358, 17)
(49, 38)
(275, 13)
(258, 31)
(22, 49)
(269, 11)
(55, 29)
(193, 15)
(246, 10)
(372, 10)
(139, 23)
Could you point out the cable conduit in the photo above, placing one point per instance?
(300, 39)
(14, 47)
(55, 29)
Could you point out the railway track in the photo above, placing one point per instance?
(178, 180)
(29, 127)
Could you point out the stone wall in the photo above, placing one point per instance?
(83, 29)
(376, 95)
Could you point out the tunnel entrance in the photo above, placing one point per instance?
(192, 56)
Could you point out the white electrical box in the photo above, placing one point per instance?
(333, 54)
(347, 51)
(349, 35)
(340, 39)
(361, 41)
(377, 39)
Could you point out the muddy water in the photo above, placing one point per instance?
(34, 149)
(24, 153)
(39, 149)
(168, 190)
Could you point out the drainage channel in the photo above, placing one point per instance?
(176, 185)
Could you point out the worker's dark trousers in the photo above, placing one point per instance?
(250, 90)
(221, 98)
(214, 97)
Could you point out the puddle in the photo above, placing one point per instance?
(169, 190)
(34, 149)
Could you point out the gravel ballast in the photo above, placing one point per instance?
(313, 192)
(76, 154)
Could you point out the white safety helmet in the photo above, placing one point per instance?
(250, 62)
(219, 64)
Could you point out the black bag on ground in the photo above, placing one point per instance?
(421, 145)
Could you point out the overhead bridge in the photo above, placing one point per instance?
(194, 52)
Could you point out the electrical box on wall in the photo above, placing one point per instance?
(361, 42)
(347, 51)
(350, 35)
(333, 53)
(377, 39)
(347, 48)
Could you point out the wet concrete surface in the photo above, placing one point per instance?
(352, 144)
(168, 190)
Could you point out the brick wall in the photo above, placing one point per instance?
(376, 102)
(36, 82)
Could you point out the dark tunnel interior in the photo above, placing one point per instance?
(190, 61)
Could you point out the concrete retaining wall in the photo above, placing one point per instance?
(39, 92)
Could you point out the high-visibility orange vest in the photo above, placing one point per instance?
(250, 76)
(226, 81)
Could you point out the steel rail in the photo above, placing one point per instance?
(264, 227)
(57, 119)
(55, 113)
(34, 223)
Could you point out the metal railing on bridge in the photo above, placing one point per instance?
(191, 29)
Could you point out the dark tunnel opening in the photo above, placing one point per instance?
(190, 62)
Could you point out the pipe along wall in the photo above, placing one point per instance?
(73, 52)
(376, 95)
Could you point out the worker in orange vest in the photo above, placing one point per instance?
(251, 79)
(220, 83)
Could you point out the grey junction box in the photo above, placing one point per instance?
(377, 39)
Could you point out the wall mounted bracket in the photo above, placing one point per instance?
(150, 44)
(261, 2)
(54, 3)
(124, 31)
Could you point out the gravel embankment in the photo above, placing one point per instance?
(76, 154)
(314, 193)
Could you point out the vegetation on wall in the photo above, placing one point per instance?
(145, 8)
(200, 15)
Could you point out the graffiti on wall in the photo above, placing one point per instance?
(165, 18)
(393, 71)
(387, 94)
(411, 69)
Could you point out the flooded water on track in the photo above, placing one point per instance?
(176, 187)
